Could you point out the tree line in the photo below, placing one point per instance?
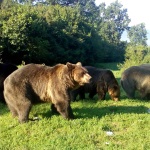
(58, 31)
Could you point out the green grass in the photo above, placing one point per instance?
(128, 120)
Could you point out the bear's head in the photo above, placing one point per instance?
(79, 73)
(114, 92)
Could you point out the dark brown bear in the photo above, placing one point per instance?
(102, 81)
(34, 83)
(5, 70)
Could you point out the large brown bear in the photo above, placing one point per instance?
(136, 78)
(34, 83)
(102, 81)
(5, 70)
(146, 66)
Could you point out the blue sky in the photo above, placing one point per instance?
(138, 11)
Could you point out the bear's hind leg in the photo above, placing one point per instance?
(24, 111)
(143, 92)
(130, 93)
(128, 88)
(12, 110)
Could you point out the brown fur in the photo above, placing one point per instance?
(136, 78)
(102, 81)
(146, 66)
(34, 83)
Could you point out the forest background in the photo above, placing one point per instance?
(60, 31)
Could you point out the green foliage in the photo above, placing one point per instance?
(114, 21)
(73, 31)
(111, 66)
(48, 34)
(137, 51)
(138, 35)
(135, 55)
(15, 27)
(4, 4)
(70, 31)
(23, 33)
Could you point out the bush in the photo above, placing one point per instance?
(135, 55)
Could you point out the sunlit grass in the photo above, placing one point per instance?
(128, 120)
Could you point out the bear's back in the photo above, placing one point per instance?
(27, 73)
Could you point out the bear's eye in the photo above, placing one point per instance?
(83, 73)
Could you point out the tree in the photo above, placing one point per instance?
(114, 20)
(53, 34)
(7, 3)
(74, 36)
(24, 34)
(47, 34)
(138, 35)
(137, 51)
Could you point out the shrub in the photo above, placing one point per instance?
(135, 55)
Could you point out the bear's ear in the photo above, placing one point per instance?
(78, 64)
(70, 66)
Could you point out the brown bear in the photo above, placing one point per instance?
(147, 66)
(102, 81)
(5, 70)
(136, 78)
(34, 83)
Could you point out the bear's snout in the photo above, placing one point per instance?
(87, 78)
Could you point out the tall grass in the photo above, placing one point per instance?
(127, 120)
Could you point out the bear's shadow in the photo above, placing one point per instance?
(100, 112)
(3, 108)
(85, 112)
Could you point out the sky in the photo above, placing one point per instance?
(138, 12)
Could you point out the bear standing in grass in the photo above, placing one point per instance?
(102, 81)
(136, 78)
(34, 83)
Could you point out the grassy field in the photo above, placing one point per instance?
(99, 125)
